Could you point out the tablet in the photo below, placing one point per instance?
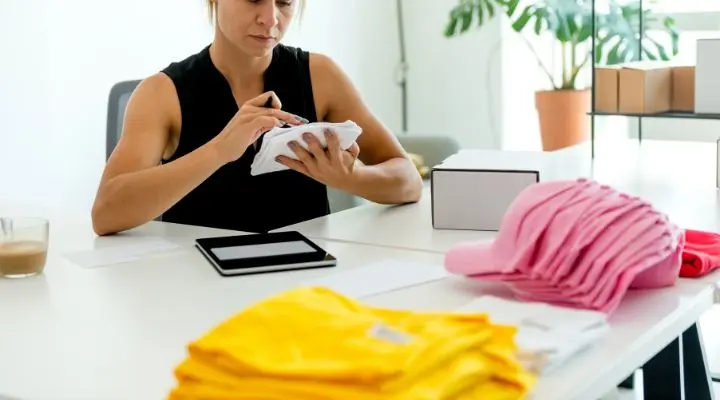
(263, 252)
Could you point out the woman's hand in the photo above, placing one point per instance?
(332, 166)
(252, 120)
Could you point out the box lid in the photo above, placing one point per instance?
(494, 160)
(569, 163)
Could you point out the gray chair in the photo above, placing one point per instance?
(433, 149)
(119, 96)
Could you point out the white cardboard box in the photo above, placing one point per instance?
(707, 76)
(473, 189)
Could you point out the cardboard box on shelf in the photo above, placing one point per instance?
(645, 88)
(606, 89)
(683, 88)
(707, 77)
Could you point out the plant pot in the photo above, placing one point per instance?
(563, 117)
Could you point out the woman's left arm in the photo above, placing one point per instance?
(386, 175)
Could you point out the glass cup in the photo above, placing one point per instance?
(23, 246)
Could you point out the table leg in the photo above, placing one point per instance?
(662, 375)
(628, 383)
(679, 371)
(698, 383)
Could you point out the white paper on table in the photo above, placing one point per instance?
(554, 334)
(543, 316)
(127, 250)
(380, 277)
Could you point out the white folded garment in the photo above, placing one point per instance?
(547, 335)
(275, 143)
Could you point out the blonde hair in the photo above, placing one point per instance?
(212, 9)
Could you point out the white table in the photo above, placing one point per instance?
(402, 227)
(673, 185)
(116, 332)
(681, 185)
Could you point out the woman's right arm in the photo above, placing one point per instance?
(136, 187)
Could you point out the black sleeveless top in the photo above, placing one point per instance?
(231, 198)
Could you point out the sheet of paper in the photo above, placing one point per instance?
(553, 334)
(125, 250)
(540, 315)
(380, 277)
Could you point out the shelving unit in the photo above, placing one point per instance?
(640, 117)
(671, 114)
(714, 375)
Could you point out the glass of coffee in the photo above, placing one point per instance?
(23, 246)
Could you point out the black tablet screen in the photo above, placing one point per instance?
(262, 250)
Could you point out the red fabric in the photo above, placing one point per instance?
(701, 254)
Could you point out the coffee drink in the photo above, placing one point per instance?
(22, 258)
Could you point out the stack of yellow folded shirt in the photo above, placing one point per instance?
(313, 343)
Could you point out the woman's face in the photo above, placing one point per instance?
(255, 26)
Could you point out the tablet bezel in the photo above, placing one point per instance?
(320, 258)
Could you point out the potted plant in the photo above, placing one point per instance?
(562, 110)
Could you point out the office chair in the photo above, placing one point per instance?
(119, 96)
(433, 149)
(117, 102)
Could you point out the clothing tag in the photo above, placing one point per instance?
(384, 332)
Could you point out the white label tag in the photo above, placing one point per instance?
(383, 332)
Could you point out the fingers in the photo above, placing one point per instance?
(265, 100)
(263, 124)
(302, 155)
(315, 148)
(291, 119)
(293, 164)
(250, 112)
(333, 144)
(354, 150)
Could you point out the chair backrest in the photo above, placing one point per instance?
(433, 149)
(119, 96)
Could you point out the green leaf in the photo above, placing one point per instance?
(451, 27)
(466, 19)
(480, 12)
(524, 18)
(490, 9)
(511, 7)
(539, 25)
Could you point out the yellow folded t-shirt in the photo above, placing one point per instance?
(315, 342)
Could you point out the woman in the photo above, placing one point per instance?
(190, 134)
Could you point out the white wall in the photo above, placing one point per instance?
(24, 95)
(61, 57)
(360, 36)
(454, 83)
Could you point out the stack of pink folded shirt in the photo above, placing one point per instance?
(576, 244)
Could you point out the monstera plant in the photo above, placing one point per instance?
(620, 36)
